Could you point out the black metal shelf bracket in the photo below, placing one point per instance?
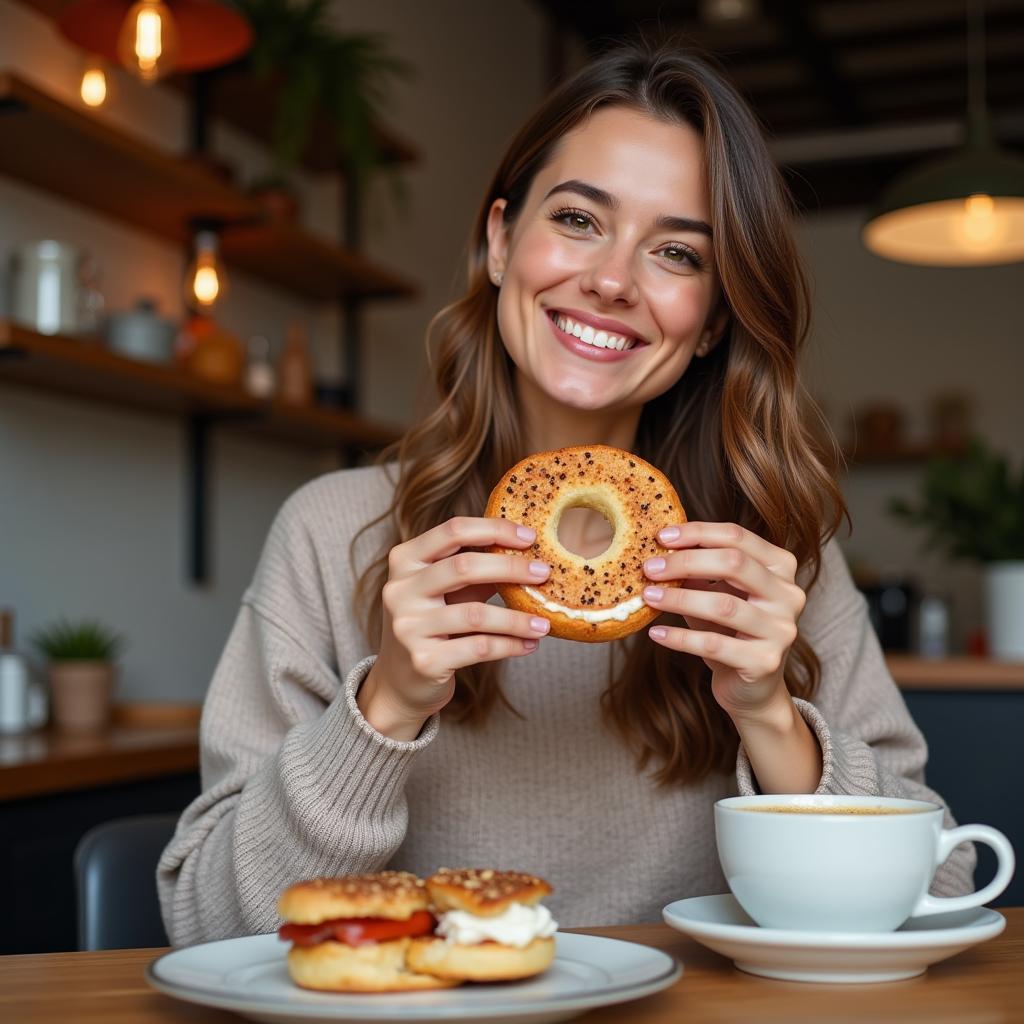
(197, 497)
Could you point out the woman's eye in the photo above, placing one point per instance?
(680, 254)
(575, 219)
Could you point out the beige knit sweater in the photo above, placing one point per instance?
(296, 783)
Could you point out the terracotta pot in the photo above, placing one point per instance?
(80, 694)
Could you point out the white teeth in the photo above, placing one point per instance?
(586, 333)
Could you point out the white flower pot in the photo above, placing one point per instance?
(1004, 603)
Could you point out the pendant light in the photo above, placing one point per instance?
(154, 38)
(966, 209)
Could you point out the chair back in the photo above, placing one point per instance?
(115, 882)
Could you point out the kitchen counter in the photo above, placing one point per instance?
(144, 741)
(959, 673)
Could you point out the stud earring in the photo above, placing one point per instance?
(497, 277)
(702, 349)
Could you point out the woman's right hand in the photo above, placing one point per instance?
(436, 619)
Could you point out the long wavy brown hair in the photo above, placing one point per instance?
(735, 435)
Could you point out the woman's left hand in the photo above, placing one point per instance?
(741, 603)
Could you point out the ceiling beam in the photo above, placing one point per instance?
(817, 55)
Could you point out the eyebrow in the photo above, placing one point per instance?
(609, 202)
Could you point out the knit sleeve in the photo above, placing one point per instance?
(296, 783)
(870, 744)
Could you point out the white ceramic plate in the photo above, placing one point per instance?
(719, 923)
(249, 976)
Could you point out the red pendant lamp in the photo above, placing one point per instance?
(154, 38)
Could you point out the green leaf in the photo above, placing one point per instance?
(347, 76)
(970, 506)
(87, 640)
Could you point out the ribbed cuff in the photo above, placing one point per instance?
(817, 724)
(848, 766)
(353, 681)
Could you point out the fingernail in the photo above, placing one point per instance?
(530, 645)
(525, 533)
(657, 632)
(654, 593)
(654, 565)
(670, 533)
(538, 568)
(539, 625)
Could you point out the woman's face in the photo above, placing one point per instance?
(615, 228)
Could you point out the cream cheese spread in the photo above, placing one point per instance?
(517, 926)
(620, 612)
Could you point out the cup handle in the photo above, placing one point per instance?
(950, 838)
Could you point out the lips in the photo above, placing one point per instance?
(597, 348)
(598, 324)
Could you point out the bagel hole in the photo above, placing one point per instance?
(585, 531)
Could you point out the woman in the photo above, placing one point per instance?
(381, 711)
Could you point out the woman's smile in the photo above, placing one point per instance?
(583, 340)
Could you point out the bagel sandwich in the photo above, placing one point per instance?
(491, 926)
(352, 934)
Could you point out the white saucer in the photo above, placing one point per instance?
(248, 975)
(719, 923)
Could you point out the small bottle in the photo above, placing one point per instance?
(295, 368)
(260, 379)
(933, 627)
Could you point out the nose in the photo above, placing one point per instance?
(610, 277)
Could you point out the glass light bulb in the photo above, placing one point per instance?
(980, 227)
(206, 285)
(148, 42)
(94, 85)
(205, 281)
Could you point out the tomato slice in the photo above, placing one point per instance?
(358, 931)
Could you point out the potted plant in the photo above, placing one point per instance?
(972, 507)
(318, 70)
(81, 671)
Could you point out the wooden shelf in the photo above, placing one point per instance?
(317, 425)
(963, 673)
(52, 146)
(56, 147)
(85, 369)
(302, 263)
(903, 455)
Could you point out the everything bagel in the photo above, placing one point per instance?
(590, 599)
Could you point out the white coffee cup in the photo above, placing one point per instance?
(814, 865)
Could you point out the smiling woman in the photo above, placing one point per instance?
(632, 282)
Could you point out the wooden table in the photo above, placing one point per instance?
(984, 985)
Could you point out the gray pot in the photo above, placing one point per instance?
(142, 334)
(1004, 603)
